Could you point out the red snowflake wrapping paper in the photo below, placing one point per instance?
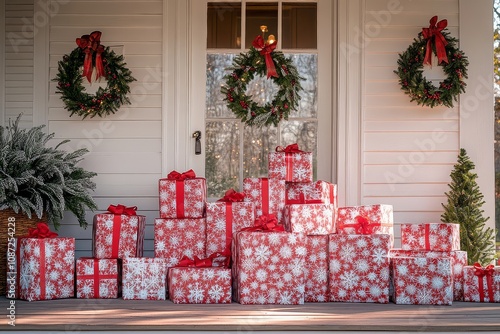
(379, 219)
(97, 278)
(482, 284)
(144, 278)
(422, 280)
(188, 285)
(458, 258)
(267, 194)
(224, 219)
(311, 193)
(359, 268)
(268, 267)
(316, 269)
(118, 236)
(290, 164)
(182, 198)
(441, 237)
(310, 219)
(176, 238)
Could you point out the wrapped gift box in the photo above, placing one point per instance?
(482, 284)
(182, 195)
(441, 237)
(359, 268)
(144, 278)
(117, 236)
(458, 258)
(366, 219)
(290, 164)
(316, 269)
(268, 267)
(97, 278)
(176, 238)
(267, 194)
(210, 285)
(422, 280)
(311, 193)
(311, 219)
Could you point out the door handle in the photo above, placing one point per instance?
(197, 142)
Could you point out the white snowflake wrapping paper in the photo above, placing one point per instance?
(459, 261)
(481, 288)
(442, 237)
(176, 238)
(223, 220)
(291, 167)
(118, 236)
(311, 219)
(97, 278)
(422, 280)
(311, 193)
(359, 268)
(316, 269)
(268, 267)
(46, 268)
(182, 198)
(144, 278)
(187, 285)
(267, 194)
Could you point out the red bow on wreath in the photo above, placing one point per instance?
(433, 33)
(90, 44)
(266, 50)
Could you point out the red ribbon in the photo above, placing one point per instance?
(96, 277)
(364, 226)
(117, 211)
(175, 175)
(179, 188)
(232, 196)
(42, 270)
(41, 231)
(265, 223)
(122, 210)
(265, 50)
(427, 234)
(265, 195)
(433, 33)
(90, 44)
(481, 272)
(292, 148)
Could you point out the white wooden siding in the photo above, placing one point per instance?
(125, 147)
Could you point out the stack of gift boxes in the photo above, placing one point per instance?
(283, 240)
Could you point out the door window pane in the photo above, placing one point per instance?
(260, 14)
(224, 25)
(299, 26)
(217, 65)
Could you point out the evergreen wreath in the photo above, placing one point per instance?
(108, 65)
(284, 75)
(453, 61)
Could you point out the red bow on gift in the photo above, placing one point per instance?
(41, 231)
(364, 226)
(433, 33)
(293, 148)
(122, 210)
(232, 196)
(266, 50)
(174, 175)
(265, 223)
(197, 262)
(90, 44)
(481, 272)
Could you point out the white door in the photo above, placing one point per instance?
(228, 150)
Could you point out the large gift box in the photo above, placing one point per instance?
(182, 195)
(311, 219)
(209, 285)
(316, 269)
(290, 164)
(176, 238)
(359, 268)
(311, 193)
(144, 278)
(97, 278)
(366, 219)
(458, 259)
(422, 280)
(431, 236)
(267, 194)
(119, 233)
(268, 267)
(482, 284)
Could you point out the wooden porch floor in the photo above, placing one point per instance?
(126, 315)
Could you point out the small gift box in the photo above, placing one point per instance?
(97, 278)
(119, 233)
(482, 284)
(311, 193)
(316, 269)
(359, 268)
(182, 195)
(290, 164)
(422, 280)
(366, 219)
(267, 194)
(311, 219)
(441, 237)
(144, 278)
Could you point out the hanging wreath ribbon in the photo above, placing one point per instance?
(434, 39)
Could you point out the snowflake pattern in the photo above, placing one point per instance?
(144, 278)
(311, 219)
(441, 237)
(254, 189)
(100, 284)
(316, 269)
(472, 291)
(187, 285)
(291, 167)
(359, 268)
(193, 202)
(311, 192)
